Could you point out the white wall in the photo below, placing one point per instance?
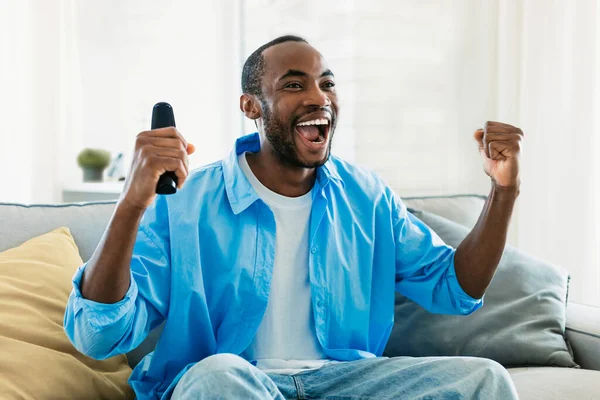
(77, 74)
(134, 54)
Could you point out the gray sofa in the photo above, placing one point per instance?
(88, 220)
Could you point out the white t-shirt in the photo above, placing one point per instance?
(286, 341)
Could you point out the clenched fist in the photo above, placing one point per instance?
(500, 148)
(156, 152)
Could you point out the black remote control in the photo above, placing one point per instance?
(163, 117)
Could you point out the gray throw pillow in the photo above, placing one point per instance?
(521, 323)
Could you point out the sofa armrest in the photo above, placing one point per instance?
(583, 332)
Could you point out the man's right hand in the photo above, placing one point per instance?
(156, 152)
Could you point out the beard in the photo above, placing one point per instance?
(282, 141)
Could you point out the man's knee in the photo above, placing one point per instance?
(215, 370)
(219, 376)
(221, 363)
(494, 377)
(490, 368)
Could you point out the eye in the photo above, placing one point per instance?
(329, 84)
(293, 85)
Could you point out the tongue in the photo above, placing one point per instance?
(309, 132)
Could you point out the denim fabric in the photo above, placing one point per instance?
(226, 376)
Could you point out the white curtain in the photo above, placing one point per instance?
(559, 109)
(29, 100)
(417, 78)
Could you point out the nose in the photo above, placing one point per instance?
(316, 97)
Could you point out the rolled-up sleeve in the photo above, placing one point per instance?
(425, 267)
(102, 330)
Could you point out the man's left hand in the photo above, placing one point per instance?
(500, 148)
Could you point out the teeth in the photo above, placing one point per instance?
(322, 121)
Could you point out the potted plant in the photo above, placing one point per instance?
(93, 162)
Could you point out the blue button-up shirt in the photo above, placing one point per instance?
(203, 262)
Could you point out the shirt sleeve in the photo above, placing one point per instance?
(103, 330)
(425, 267)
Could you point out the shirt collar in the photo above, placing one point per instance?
(239, 191)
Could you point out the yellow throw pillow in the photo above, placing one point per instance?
(37, 360)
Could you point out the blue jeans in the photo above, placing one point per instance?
(227, 376)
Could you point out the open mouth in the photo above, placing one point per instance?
(314, 132)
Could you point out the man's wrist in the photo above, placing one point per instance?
(506, 192)
(128, 210)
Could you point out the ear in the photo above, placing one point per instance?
(250, 106)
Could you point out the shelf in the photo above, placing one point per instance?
(92, 191)
(95, 187)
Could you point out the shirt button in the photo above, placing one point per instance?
(320, 303)
(313, 250)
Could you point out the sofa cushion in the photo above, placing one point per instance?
(37, 359)
(86, 221)
(547, 383)
(521, 323)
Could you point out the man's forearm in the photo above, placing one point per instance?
(106, 278)
(477, 257)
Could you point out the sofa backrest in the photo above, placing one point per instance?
(87, 222)
(463, 209)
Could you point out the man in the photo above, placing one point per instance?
(275, 269)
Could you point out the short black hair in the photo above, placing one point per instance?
(254, 67)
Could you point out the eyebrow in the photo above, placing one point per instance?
(295, 72)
